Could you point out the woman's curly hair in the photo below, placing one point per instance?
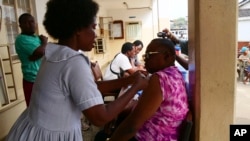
(64, 17)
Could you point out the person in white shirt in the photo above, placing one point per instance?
(121, 64)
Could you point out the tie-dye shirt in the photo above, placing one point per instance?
(165, 123)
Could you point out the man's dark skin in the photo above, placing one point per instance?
(28, 27)
(179, 59)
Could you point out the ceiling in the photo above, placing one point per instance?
(124, 4)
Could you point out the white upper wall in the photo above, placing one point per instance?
(244, 29)
(245, 6)
(243, 25)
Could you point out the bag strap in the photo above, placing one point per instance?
(119, 75)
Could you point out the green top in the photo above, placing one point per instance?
(25, 46)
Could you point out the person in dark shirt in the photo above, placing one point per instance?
(184, 47)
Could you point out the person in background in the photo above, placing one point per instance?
(65, 86)
(183, 45)
(138, 48)
(121, 65)
(161, 119)
(30, 49)
(244, 63)
(246, 81)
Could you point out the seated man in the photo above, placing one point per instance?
(121, 64)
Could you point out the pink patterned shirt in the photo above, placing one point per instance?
(165, 123)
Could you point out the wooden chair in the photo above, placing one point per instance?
(109, 127)
(99, 77)
(96, 71)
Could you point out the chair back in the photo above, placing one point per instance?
(96, 71)
(186, 128)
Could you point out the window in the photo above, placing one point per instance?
(99, 45)
(133, 31)
(12, 9)
(8, 91)
(3, 88)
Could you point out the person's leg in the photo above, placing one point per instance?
(27, 89)
(247, 78)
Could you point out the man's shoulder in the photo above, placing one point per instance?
(26, 37)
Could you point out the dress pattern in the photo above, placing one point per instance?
(165, 123)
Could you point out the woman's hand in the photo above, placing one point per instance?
(141, 81)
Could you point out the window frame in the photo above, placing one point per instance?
(18, 10)
(11, 10)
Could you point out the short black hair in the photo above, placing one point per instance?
(137, 43)
(127, 47)
(165, 45)
(64, 17)
(21, 17)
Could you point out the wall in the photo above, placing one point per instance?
(212, 75)
(11, 112)
(243, 25)
(243, 29)
(3, 34)
(9, 115)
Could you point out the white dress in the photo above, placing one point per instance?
(63, 89)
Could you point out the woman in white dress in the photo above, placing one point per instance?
(65, 87)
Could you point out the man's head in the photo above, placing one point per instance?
(244, 49)
(138, 46)
(27, 24)
(128, 49)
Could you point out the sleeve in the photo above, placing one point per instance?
(124, 63)
(184, 46)
(80, 83)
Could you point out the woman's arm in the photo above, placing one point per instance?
(103, 113)
(182, 62)
(39, 52)
(116, 84)
(144, 110)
